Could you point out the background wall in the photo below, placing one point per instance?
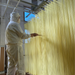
(4, 22)
(6, 19)
(53, 53)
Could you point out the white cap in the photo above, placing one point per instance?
(14, 16)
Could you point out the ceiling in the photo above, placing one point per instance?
(32, 5)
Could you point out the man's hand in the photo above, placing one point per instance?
(27, 73)
(34, 34)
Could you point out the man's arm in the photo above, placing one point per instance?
(20, 32)
(22, 35)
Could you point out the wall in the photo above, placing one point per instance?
(4, 22)
(6, 19)
(53, 53)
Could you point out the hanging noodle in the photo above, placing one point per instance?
(53, 53)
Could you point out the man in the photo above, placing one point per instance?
(14, 36)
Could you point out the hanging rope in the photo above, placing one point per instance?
(16, 6)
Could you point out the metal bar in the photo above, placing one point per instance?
(6, 7)
(27, 7)
(22, 3)
(34, 2)
(27, 15)
(28, 3)
(43, 3)
(9, 6)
